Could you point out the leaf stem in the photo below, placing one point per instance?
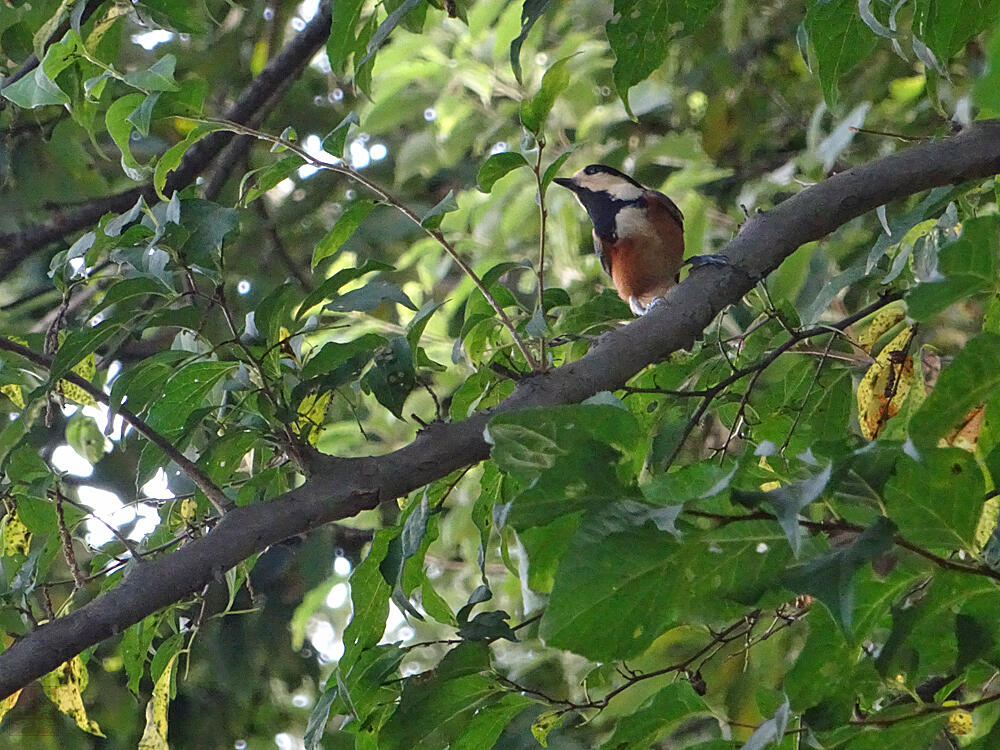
(341, 168)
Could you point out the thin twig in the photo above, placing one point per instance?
(542, 216)
(764, 362)
(193, 472)
(66, 541)
(342, 168)
(805, 399)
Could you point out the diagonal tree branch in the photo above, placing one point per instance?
(286, 66)
(191, 470)
(339, 488)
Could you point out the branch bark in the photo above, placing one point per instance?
(339, 488)
(286, 66)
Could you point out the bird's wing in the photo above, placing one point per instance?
(668, 205)
(602, 254)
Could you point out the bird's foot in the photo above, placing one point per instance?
(712, 259)
(637, 307)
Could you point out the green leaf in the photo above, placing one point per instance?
(531, 11)
(432, 219)
(142, 383)
(661, 713)
(85, 437)
(830, 577)
(328, 289)
(496, 167)
(370, 296)
(415, 328)
(437, 709)
(392, 377)
(936, 501)
(407, 544)
(641, 32)
(369, 683)
(529, 441)
(788, 501)
(971, 378)
(266, 178)
(970, 265)
(172, 157)
(120, 130)
(340, 363)
(553, 169)
(769, 732)
(26, 467)
(184, 392)
(946, 25)
(35, 90)
(534, 113)
(39, 88)
(986, 91)
(159, 76)
(370, 600)
(316, 725)
(78, 344)
(135, 645)
(141, 115)
(824, 664)
(839, 40)
(484, 727)
(384, 29)
(208, 225)
(336, 139)
(342, 230)
(601, 577)
(183, 15)
(141, 287)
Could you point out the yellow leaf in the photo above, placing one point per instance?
(13, 392)
(154, 737)
(189, 510)
(544, 724)
(959, 722)
(312, 412)
(85, 368)
(885, 319)
(16, 537)
(885, 386)
(64, 686)
(8, 703)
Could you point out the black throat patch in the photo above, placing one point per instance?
(603, 210)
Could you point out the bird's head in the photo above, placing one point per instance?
(604, 182)
(603, 192)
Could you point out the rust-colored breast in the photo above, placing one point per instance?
(645, 261)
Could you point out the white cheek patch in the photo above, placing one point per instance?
(615, 187)
(632, 222)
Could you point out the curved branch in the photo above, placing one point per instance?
(339, 488)
(286, 65)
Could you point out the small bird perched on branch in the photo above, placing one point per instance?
(638, 234)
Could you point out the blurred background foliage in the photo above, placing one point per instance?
(729, 107)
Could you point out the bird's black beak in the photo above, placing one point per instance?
(566, 182)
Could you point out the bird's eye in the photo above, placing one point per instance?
(592, 169)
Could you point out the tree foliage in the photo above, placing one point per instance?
(247, 245)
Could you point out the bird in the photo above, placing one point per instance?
(638, 234)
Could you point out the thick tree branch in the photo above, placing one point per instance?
(339, 488)
(16, 246)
